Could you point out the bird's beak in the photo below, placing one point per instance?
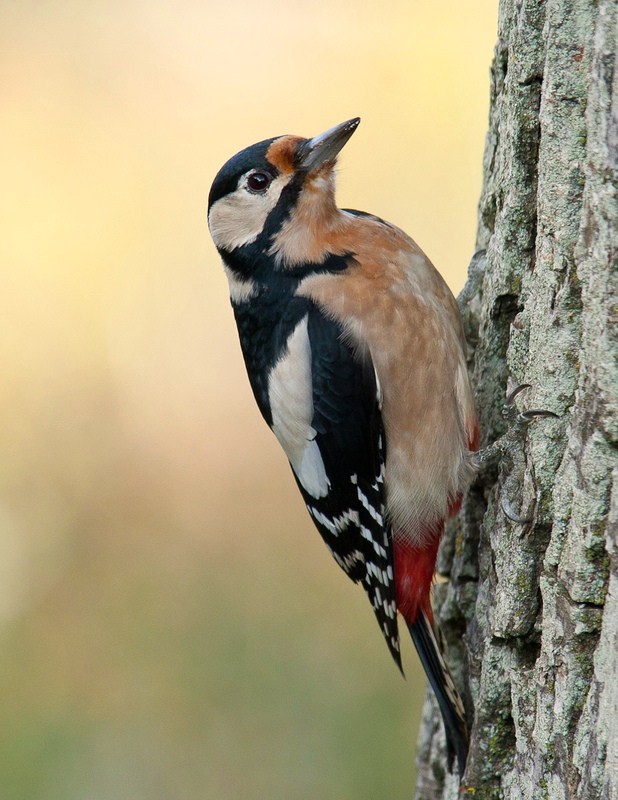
(326, 146)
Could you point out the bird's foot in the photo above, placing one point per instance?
(517, 424)
(510, 445)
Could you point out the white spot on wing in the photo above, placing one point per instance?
(323, 520)
(349, 561)
(372, 511)
(335, 524)
(291, 403)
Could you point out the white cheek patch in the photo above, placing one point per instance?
(291, 403)
(238, 218)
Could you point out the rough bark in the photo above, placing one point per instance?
(531, 609)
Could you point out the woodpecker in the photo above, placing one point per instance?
(355, 353)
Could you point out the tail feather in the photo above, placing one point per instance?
(441, 681)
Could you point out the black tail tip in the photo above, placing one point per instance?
(457, 749)
(449, 701)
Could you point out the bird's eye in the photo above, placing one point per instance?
(258, 181)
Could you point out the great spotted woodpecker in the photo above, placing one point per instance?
(355, 353)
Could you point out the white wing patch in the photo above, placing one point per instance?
(291, 404)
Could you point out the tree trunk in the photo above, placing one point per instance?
(531, 609)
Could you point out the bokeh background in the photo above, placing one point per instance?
(171, 626)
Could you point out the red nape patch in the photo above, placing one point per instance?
(414, 568)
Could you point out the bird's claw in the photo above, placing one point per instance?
(529, 415)
(517, 422)
(507, 510)
(523, 416)
(510, 398)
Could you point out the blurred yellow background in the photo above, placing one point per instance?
(171, 626)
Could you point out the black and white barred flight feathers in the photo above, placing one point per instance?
(354, 349)
(350, 512)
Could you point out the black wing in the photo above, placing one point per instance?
(351, 517)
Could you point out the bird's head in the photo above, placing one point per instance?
(279, 189)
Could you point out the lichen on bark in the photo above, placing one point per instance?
(531, 609)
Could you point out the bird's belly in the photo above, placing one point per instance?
(422, 491)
